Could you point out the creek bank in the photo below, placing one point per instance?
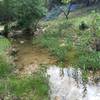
(30, 56)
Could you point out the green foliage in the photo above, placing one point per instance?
(4, 44)
(89, 61)
(51, 40)
(32, 87)
(6, 8)
(33, 11)
(71, 45)
(26, 12)
(86, 45)
(5, 68)
(95, 24)
(26, 87)
(84, 42)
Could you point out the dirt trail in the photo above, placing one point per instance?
(29, 56)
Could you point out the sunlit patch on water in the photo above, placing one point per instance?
(67, 84)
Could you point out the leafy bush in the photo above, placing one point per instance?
(33, 11)
(26, 12)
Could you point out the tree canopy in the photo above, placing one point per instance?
(25, 12)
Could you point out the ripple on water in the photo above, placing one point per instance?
(67, 84)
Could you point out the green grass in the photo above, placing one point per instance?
(5, 67)
(69, 44)
(4, 44)
(26, 88)
(89, 61)
(33, 87)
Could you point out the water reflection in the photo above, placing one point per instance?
(68, 84)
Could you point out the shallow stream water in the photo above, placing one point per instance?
(68, 84)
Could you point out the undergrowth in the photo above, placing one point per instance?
(12, 86)
(71, 45)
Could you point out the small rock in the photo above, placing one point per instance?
(57, 98)
(22, 42)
